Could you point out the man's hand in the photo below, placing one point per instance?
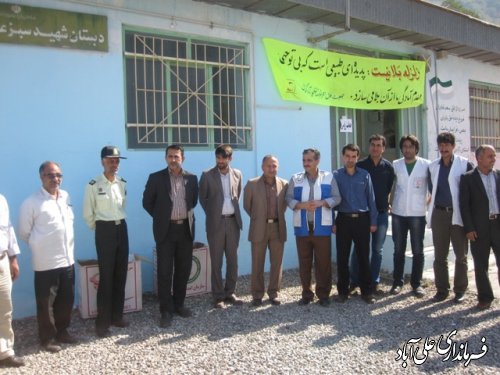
(14, 268)
(472, 236)
(309, 205)
(373, 228)
(334, 229)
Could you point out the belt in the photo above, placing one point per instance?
(494, 217)
(353, 215)
(116, 222)
(447, 209)
(227, 216)
(178, 222)
(3, 255)
(270, 221)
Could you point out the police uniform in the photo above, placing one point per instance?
(104, 211)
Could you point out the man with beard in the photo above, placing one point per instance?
(220, 189)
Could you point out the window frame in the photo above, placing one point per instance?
(245, 128)
(474, 101)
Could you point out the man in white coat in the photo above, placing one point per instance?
(445, 219)
(409, 204)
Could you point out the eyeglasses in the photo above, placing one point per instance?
(53, 175)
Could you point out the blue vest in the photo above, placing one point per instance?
(323, 217)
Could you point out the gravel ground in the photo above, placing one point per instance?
(289, 339)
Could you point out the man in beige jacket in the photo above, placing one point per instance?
(264, 201)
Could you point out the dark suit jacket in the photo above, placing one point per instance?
(474, 204)
(255, 205)
(156, 201)
(212, 197)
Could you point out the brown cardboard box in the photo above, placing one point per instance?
(88, 277)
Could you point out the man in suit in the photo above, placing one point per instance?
(264, 201)
(220, 189)
(479, 206)
(170, 197)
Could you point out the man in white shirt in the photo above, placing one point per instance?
(9, 271)
(46, 224)
(409, 205)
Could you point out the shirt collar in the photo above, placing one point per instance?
(451, 160)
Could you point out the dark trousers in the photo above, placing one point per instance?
(55, 293)
(480, 249)
(443, 231)
(357, 230)
(174, 259)
(111, 241)
(319, 249)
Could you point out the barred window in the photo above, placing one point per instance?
(484, 115)
(187, 91)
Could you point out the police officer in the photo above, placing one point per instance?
(104, 211)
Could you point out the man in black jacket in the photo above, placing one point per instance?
(170, 197)
(479, 206)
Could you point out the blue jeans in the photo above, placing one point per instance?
(377, 245)
(400, 227)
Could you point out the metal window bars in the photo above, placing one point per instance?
(186, 91)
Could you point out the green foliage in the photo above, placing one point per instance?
(459, 7)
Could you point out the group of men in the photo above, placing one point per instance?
(461, 204)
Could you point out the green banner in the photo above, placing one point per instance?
(54, 28)
(321, 77)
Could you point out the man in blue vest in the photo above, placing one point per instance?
(311, 195)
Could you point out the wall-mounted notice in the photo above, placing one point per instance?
(54, 28)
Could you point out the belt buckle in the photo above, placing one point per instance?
(493, 217)
(118, 222)
(354, 215)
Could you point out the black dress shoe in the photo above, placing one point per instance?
(368, 298)
(256, 302)
(51, 347)
(304, 301)
(275, 301)
(232, 300)
(183, 312)
(325, 302)
(12, 361)
(102, 332)
(440, 296)
(483, 305)
(396, 289)
(341, 298)
(65, 338)
(418, 292)
(459, 297)
(165, 320)
(120, 323)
